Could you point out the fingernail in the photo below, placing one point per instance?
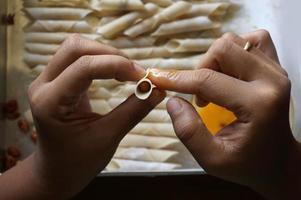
(174, 105)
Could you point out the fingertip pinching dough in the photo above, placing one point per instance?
(163, 34)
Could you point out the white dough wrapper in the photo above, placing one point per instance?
(144, 154)
(152, 142)
(162, 3)
(58, 13)
(53, 38)
(100, 106)
(33, 60)
(131, 165)
(147, 52)
(168, 14)
(208, 9)
(186, 25)
(189, 45)
(125, 42)
(171, 63)
(119, 5)
(55, 3)
(40, 48)
(154, 129)
(116, 101)
(60, 26)
(115, 27)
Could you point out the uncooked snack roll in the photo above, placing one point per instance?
(168, 14)
(189, 45)
(172, 63)
(131, 165)
(53, 38)
(154, 129)
(40, 48)
(33, 60)
(126, 42)
(144, 88)
(124, 5)
(58, 13)
(60, 26)
(144, 154)
(152, 142)
(147, 52)
(100, 106)
(208, 9)
(116, 26)
(186, 25)
(116, 101)
(161, 3)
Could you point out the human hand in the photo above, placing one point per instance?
(257, 149)
(75, 144)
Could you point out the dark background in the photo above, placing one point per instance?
(176, 187)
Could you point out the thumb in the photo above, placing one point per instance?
(191, 130)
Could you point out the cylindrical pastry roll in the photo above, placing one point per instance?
(152, 142)
(171, 63)
(53, 38)
(115, 101)
(39, 48)
(58, 13)
(33, 60)
(115, 27)
(59, 26)
(162, 3)
(147, 52)
(106, 20)
(189, 45)
(144, 154)
(100, 106)
(131, 165)
(100, 93)
(154, 129)
(121, 5)
(55, 3)
(208, 9)
(168, 14)
(125, 42)
(186, 25)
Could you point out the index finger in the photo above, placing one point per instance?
(72, 49)
(76, 79)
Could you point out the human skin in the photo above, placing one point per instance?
(74, 144)
(258, 149)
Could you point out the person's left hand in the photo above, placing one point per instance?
(75, 144)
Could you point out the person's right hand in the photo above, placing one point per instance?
(258, 148)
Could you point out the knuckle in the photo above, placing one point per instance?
(263, 34)
(203, 76)
(220, 48)
(273, 96)
(73, 42)
(229, 36)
